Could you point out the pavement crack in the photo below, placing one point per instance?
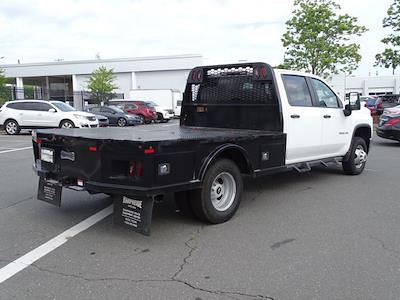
(186, 258)
(383, 245)
(230, 294)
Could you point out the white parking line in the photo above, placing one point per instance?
(13, 150)
(26, 260)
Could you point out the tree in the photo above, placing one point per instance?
(101, 84)
(390, 58)
(3, 78)
(3, 91)
(317, 39)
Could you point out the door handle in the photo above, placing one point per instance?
(327, 116)
(295, 116)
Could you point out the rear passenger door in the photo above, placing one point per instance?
(25, 113)
(302, 121)
(42, 116)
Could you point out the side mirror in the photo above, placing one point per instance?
(52, 110)
(354, 101)
(347, 110)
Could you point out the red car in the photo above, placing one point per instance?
(140, 108)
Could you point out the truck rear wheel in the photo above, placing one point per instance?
(357, 158)
(220, 196)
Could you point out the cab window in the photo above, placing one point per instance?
(297, 90)
(324, 94)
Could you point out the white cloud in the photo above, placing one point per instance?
(223, 31)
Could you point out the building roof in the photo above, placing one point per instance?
(133, 64)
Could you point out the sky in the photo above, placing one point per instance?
(223, 31)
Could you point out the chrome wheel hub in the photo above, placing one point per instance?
(360, 157)
(11, 127)
(223, 191)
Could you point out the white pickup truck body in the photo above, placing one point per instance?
(313, 132)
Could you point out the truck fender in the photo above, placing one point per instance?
(364, 135)
(227, 149)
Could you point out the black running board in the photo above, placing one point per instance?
(306, 166)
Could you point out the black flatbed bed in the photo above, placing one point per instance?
(149, 134)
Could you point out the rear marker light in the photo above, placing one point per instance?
(92, 149)
(149, 150)
(263, 72)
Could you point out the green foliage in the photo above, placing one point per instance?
(101, 84)
(317, 39)
(390, 57)
(3, 90)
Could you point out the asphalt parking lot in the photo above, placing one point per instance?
(317, 235)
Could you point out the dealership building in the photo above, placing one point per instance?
(371, 85)
(68, 79)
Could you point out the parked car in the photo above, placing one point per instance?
(103, 121)
(389, 124)
(116, 116)
(369, 103)
(163, 114)
(31, 114)
(140, 108)
(386, 101)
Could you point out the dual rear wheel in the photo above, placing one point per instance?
(220, 196)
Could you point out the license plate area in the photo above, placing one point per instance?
(47, 155)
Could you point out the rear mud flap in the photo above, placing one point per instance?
(49, 191)
(134, 214)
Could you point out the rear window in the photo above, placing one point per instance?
(297, 90)
(18, 105)
(39, 106)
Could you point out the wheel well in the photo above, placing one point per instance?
(63, 120)
(10, 119)
(238, 158)
(364, 133)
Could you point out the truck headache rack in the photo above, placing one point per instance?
(244, 93)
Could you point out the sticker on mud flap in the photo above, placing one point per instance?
(133, 213)
(49, 191)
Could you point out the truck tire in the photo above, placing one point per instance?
(12, 127)
(357, 158)
(220, 196)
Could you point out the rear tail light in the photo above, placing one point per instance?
(392, 121)
(35, 138)
(135, 169)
